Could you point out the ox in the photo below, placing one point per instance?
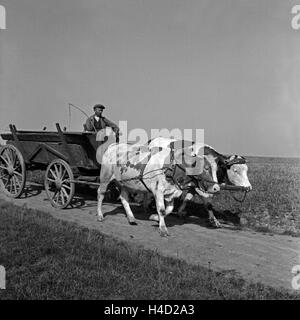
(231, 170)
(159, 171)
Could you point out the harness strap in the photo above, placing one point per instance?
(140, 177)
(143, 182)
(240, 200)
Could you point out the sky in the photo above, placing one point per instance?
(230, 67)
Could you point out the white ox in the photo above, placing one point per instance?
(231, 170)
(139, 169)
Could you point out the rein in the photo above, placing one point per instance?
(141, 176)
(172, 177)
(240, 200)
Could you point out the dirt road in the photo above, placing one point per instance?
(261, 257)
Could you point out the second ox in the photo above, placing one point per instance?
(231, 171)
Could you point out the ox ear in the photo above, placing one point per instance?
(243, 158)
(240, 159)
(234, 160)
(224, 160)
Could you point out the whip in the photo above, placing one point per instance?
(82, 111)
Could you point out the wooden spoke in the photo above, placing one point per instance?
(6, 178)
(58, 188)
(14, 186)
(5, 160)
(17, 173)
(65, 186)
(17, 181)
(18, 166)
(62, 197)
(4, 175)
(60, 170)
(63, 174)
(64, 192)
(11, 156)
(5, 153)
(56, 171)
(54, 195)
(58, 197)
(10, 185)
(53, 174)
(6, 183)
(13, 179)
(15, 159)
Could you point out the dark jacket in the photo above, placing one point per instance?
(92, 124)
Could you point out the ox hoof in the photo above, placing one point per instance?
(100, 219)
(215, 223)
(154, 217)
(163, 232)
(132, 222)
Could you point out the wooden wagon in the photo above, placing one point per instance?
(68, 158)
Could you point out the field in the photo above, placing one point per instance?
(47, 258)
(274, 203)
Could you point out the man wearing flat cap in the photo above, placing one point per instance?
(97, 122)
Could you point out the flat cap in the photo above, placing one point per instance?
(101, 106)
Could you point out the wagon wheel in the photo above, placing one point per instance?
(59, 189)
(12, 171)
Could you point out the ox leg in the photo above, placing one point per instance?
(154, 217)
(124, 197)
(146, 201)
(101, 193)
(160, 206)
(169, 206)
(106, 175)
(212, 219)
(168, 210)
(181, 211)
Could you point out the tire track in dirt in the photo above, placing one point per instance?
(259, 257)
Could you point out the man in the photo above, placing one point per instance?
(97, 122)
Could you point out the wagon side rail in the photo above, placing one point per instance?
(66, 154)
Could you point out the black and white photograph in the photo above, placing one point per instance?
(149, 152)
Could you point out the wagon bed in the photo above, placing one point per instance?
(67, 157)
(41, 147)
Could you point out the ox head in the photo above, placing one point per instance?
(236, 170)
(202, 169)
(209, 175)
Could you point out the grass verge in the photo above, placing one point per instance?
(46, 258)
